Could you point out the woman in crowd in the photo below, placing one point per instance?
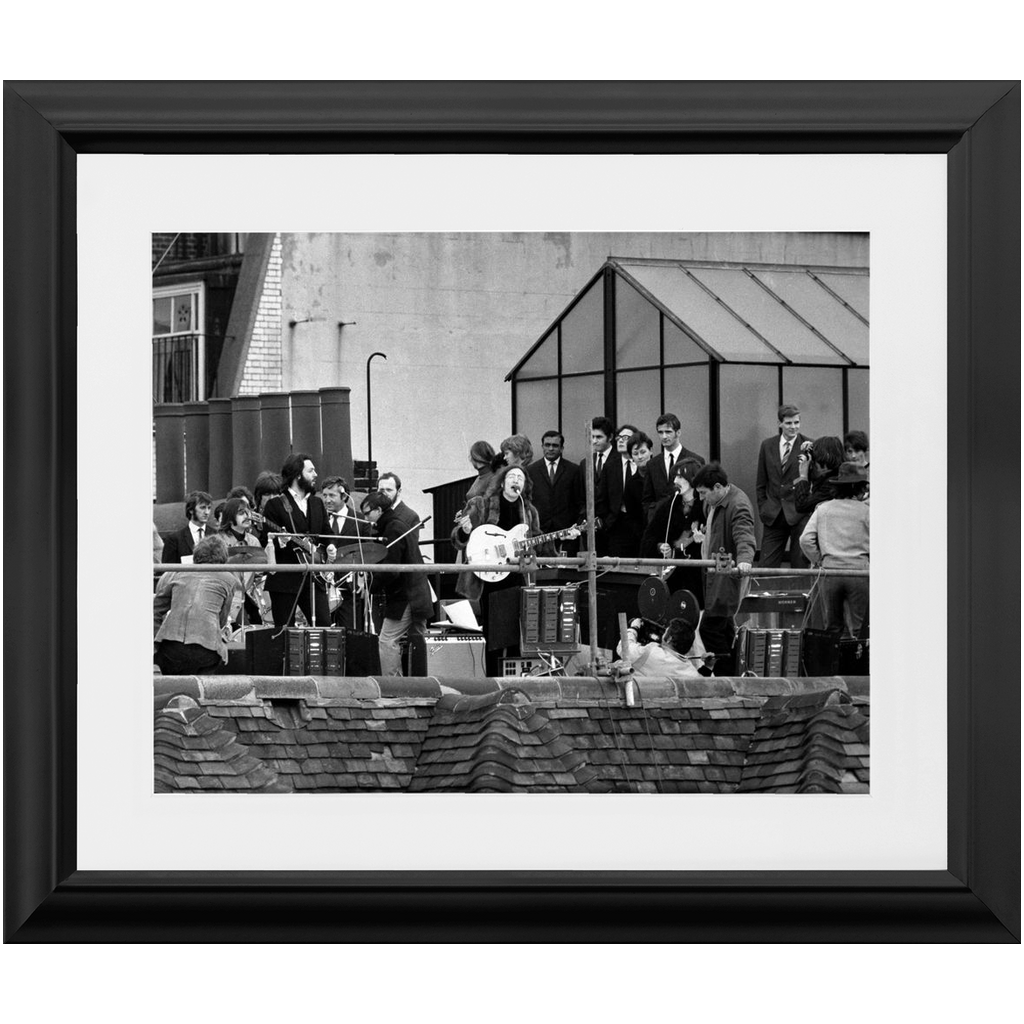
(818, 468)
(676, 530)
(633, 520)
(517, 450)
(482, 458)
(837, 536)
(191, 611)
(484, 461)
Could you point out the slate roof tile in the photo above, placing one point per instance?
(549, 735)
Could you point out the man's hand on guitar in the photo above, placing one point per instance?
(466, 525)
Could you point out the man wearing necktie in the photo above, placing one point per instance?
(180, 545)
(343, 524)
(601, 431)
(557, 489)
(661, 468)
(777, 473)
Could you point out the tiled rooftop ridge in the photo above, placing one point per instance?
(539, 689)
(539, 734)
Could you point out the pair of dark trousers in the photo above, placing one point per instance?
(719, 634)
(283, 606)
(174, 658)
(845, 599)
(773, 543)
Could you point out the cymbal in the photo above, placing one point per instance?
(370, 552)
(242, 555)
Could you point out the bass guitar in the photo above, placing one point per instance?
(491, 545)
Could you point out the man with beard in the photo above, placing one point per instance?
(391, 485)
(179, 546)
(729, 528)
(297, 510)
(407, 604)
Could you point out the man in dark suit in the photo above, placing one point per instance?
(349, 528)
(660, 470)
(297, 510)
(407, 605)
(777, 472)
(603, 456)
(557, 489)
(179, 546)
(620, 537)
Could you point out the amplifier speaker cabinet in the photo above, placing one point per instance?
(315, 652)
(549, 619)
(768, 652)
(455, 656)
(362, 655)
(259, 654)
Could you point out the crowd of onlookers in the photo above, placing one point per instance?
(659, 501)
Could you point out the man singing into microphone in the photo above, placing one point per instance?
(505, 503)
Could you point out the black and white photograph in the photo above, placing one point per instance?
(511, 512)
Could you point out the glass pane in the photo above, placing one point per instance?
(162, 315)
(749, 402)
(818, 393)
(698, 310)
(582, 400)
(827, 314)
(860, 406)
(772, 320)
(687, 395)
(853, 288)
(183, 322)
(543, 362)
(536, 410)
(680, 347)
(583, 333)
(636, 327)
(638, 395)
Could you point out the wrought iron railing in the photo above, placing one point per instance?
(178, 369)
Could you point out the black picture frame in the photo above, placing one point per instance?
(977, 126)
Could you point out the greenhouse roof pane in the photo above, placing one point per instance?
(699, 311)
(848, 333)
(544, 361)
(769, 317)
(852, 288)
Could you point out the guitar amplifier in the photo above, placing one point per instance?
(768, 652)
(457, 657)
(315, 652)
(826, 654)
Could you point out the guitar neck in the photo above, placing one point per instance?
(530, 542)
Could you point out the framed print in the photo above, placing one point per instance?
(974, 127)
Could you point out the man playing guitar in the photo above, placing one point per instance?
(505, 504)
(299, 515)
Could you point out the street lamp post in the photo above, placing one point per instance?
(369, 408)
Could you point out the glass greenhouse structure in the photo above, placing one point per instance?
(721, 345)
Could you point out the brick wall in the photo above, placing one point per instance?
(263, 363)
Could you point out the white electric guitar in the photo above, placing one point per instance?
(491, 545)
